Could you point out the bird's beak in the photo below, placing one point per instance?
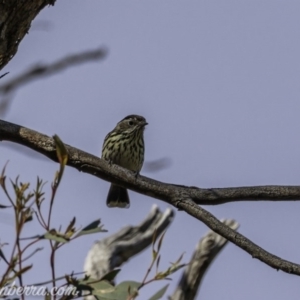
(143, 124)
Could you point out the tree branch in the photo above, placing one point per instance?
(15, 19)
(113, 251)
(42, 70)
(236, 238)
(206, 251)
(182, 197)
(91, 164)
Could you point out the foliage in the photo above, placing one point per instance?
(27, 205)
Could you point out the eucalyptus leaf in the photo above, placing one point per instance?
(4, 206)
(54, 237)
(61, 151)
(111, 275)
(160, 293)
(122, 289)
(103, 290)
(3, 256)
(120, 292)
(91, 228)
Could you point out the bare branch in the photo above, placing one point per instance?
(236, 238)
(100, 168)
(42, 70)
(182, 197)
(113, 251)
(206, 250)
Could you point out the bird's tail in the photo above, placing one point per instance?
(117, 197)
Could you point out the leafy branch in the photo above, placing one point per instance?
(27, 204)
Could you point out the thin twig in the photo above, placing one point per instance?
(1, 76)
(42, 70)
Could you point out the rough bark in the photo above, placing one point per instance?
(15, 21)
(206, 251)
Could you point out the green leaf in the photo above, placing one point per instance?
(70, 229)
(91, 228)
(154, 254)
(3, 256)
(62, 155)
(179, 259)
(3, 177)
(23, 270)
(71, 225)
(160, 275)
(92, 225)
(157, 262)
(122, 289)
(120, 292)
(154, 237)
(160, 241)
(61, 151)
(111, 275)
(102, 289)
(160, 293)
(175, 268)
(4, 206)
(55, 237)
(47, 295)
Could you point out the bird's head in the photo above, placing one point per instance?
(131, 124)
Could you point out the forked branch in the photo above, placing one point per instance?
(183, 197)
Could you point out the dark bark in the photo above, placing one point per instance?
(15, 21)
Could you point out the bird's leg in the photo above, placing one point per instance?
(136, 174)
(110, 163)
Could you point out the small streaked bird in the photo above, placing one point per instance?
(124, 146)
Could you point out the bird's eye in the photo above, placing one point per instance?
(130, 123)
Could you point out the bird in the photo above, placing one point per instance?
(124, 146)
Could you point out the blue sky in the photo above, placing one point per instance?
(217, 81)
